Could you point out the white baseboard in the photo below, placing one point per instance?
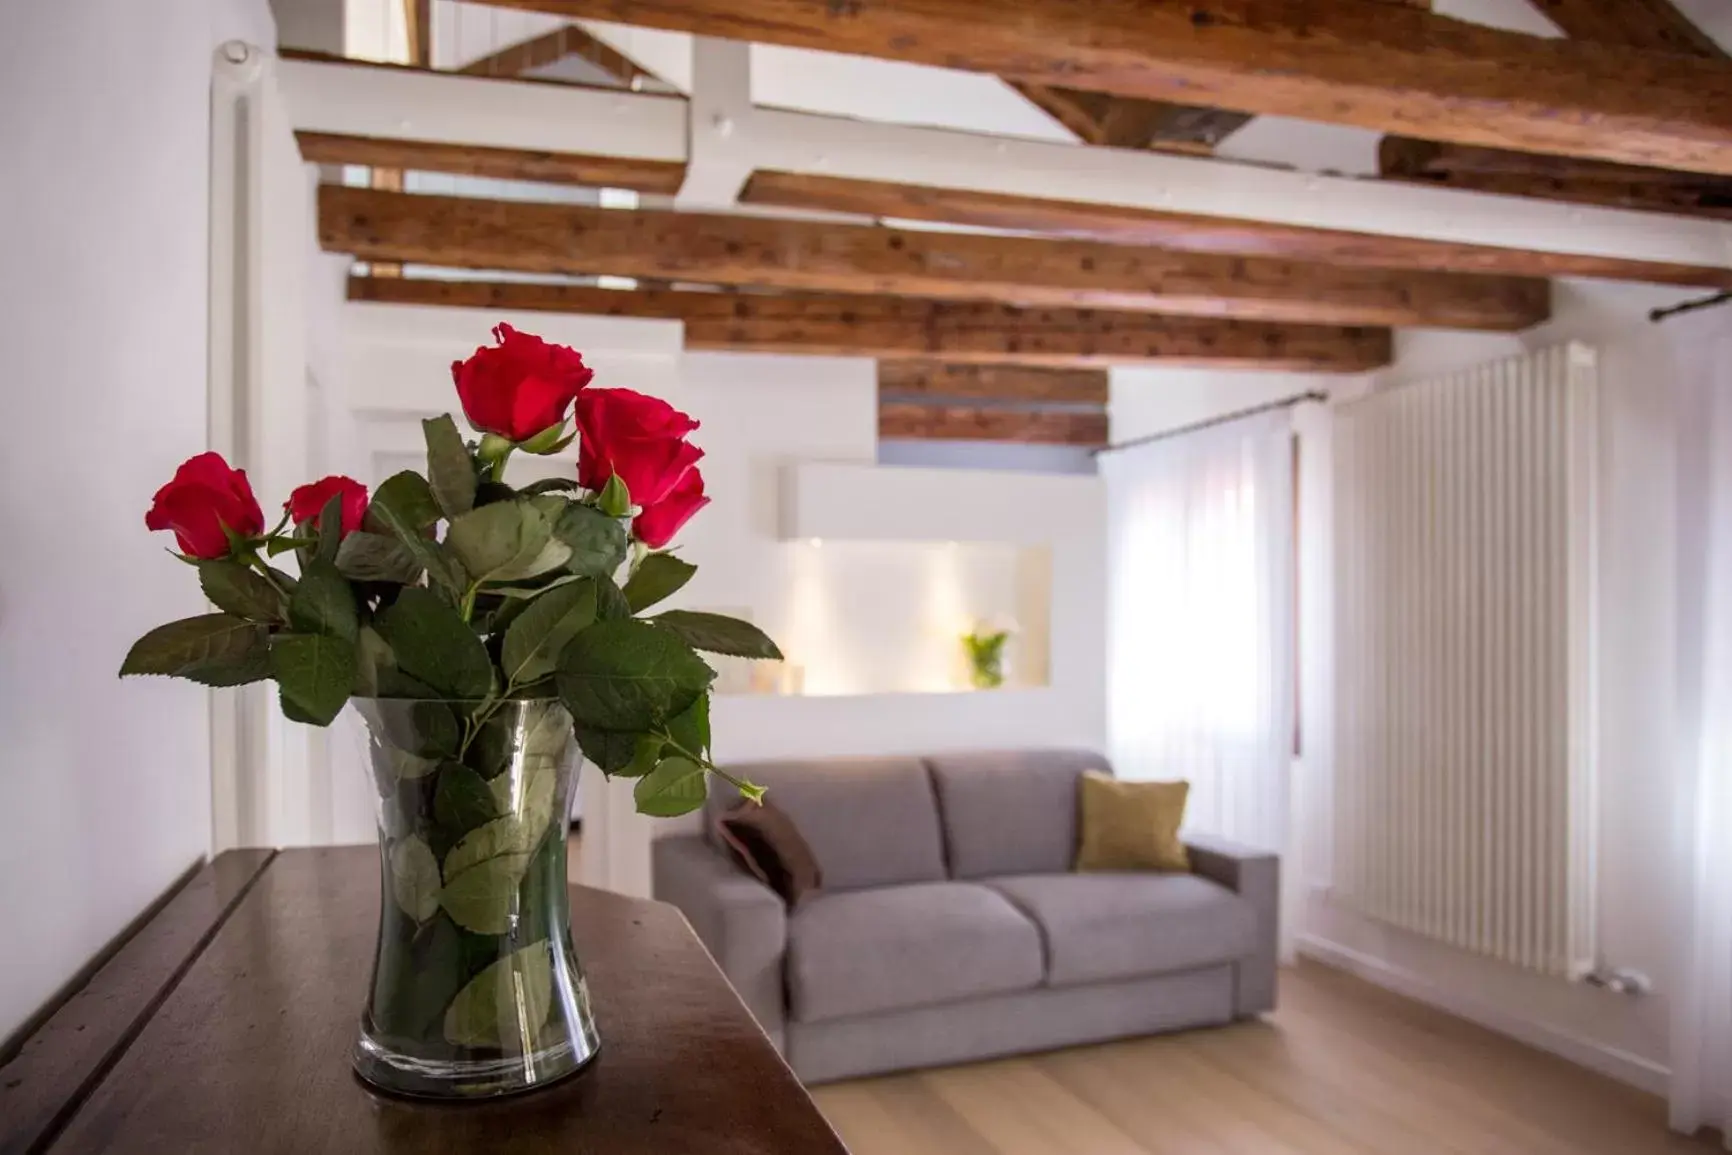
(1609, 1061)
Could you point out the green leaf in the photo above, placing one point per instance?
(426, 730)
(646, 755)
(524, 593)
(433, 643)
(411, 766)
(610, 750)
(550, 485)
(692, 728)
(373, 662)
(403, 507)
(657, 576)
(240, 590)
(528, 797)
(323, 603)
(374, 557)
(415, 879)
(488, 539)
(717, 634)
(329, 529)
(614, 498)
(450, 468)
(410, 996)
(552, 555)
(483, 898)
(506, 1005)
(315, 673)
(675, 787)
(213, 649)
(512, 835)
(537, 635)
(626, 675)
(610, 603)
(598, 542)
(462, 800)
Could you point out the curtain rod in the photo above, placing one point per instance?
(1198, 426)
(1690, 306)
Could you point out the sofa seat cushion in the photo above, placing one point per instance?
(862, 951)
(1101, 927)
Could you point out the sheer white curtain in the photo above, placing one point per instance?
(1701, 1052)
(1201, 621)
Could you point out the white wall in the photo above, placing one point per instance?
(104, 794)
(1148, 401)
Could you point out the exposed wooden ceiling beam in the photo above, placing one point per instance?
(1126, 122)
(651, 176)
(1199, 234)
(893, 327)
(1381, 66)
(1647, 25)
(1642, 25)
(1527, 174)
(900, 419)
(928, 380)
(762, 252)
(418, 25)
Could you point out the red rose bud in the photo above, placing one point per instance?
(521, 386)
(206, 496)
(309, 501)
(658, 523)
(642, 439)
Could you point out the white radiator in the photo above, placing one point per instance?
(1464, 790)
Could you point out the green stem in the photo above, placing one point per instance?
(259, 563)
(472, 725)
(748, 789)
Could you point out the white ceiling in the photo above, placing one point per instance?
(868, 89)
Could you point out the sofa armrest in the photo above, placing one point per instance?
(1255, 875)
(742, 922)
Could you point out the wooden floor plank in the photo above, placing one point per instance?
(1342, 1068)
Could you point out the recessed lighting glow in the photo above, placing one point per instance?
(816, 543)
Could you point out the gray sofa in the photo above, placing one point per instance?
(951, 927)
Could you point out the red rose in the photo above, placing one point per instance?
(520, 387)
(643, 439)
(204, 497)
(658, 523)
(307, 502)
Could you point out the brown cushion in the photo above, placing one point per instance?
(1130, 825)
(767, 843)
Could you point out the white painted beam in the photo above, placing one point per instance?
(406, 104)
(863, 150)
(720, 116)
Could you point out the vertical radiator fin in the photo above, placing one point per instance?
(1464, 785)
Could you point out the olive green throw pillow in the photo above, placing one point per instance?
(1130, 825)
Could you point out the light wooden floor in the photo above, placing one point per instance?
(1342, 1068)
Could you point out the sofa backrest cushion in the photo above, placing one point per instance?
(1010, 811)
(869, 821)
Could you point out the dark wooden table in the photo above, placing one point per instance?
(224, 1025)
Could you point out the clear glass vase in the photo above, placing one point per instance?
(475, 991)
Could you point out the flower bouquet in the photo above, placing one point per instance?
(482, 630)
